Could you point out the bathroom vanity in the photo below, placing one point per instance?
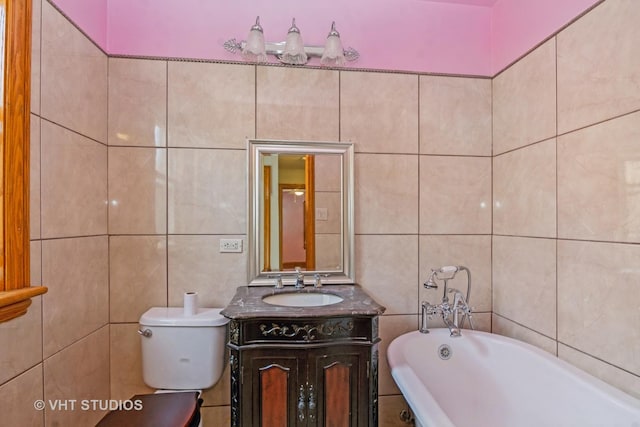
(302, 356)
(303, 365)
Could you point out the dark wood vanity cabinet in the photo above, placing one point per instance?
(304, 372)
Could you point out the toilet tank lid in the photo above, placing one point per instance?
(174, 316)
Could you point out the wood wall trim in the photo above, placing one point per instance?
(17, 80)
(14, 303)
(15, 292)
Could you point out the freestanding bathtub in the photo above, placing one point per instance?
(486, 380)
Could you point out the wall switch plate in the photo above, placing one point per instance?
(230, 245)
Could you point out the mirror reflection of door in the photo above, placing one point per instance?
(289, 242)
(324, 172)
(266, 202)
(293, 246)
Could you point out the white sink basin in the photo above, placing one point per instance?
(303, 299)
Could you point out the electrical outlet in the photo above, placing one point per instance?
(322, 214)
(230, 245)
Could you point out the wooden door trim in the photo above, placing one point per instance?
(14, 149)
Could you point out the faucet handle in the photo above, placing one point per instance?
(299, 278)
(277, 280)
(429, 309)
(458, 298)
(317, 280)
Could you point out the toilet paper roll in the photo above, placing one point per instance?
(190, 303)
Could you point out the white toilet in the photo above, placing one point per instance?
(180, 353)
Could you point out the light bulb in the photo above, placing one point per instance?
(254, 49)
(294, 47)
(333, 53)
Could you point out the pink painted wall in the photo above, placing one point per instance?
(519, 25)
(89, 15)
(471, 37)
(416, 36)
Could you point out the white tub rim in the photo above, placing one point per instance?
(425, 407)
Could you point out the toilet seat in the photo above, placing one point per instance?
(180, 409)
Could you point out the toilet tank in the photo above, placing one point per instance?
(182, 352)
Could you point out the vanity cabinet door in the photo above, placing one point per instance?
(338, 378)
(271, 381)
(326, 386)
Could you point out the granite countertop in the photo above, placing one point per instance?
(247, 303)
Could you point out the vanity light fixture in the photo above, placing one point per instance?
(292, 51)
(333, 53)
(254, 48)
(294, 47)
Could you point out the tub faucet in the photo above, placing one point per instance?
(454, 331)
(460, 307)
(427, 311)
(299, 279)
(445, 308)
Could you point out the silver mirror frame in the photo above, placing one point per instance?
(257, 147)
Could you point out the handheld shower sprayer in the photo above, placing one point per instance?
(445, 274)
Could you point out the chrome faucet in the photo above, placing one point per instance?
(445, 309)
(299, 279)
(317, 280)
(427, 311)
(454, 330)
(460, 307)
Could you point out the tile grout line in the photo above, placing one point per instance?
(107, 230)
(419, 308)
(166, 189)
(556, 171)
(493, 158)
(40, 213)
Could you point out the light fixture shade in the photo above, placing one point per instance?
(254, 49)
(294, 47)
(333, 52)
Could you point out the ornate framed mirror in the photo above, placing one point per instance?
(300, 211)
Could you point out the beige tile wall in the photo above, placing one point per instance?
(205, 180)
(60, 349)
(524, 101)
(73, 90)
(132, 207)
(598, 66)
(566, 266)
